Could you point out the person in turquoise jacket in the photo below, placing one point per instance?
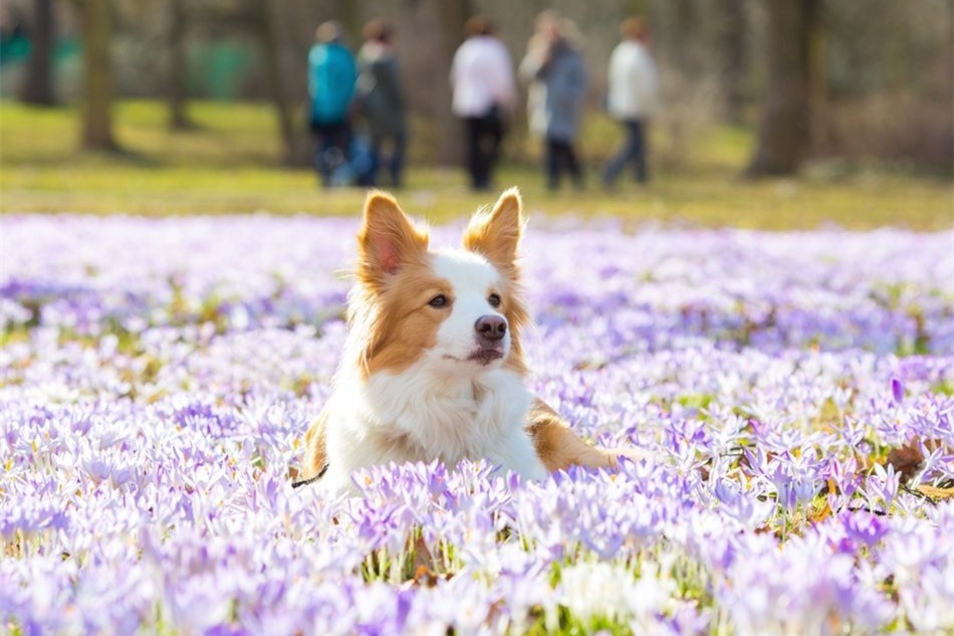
(332, 75)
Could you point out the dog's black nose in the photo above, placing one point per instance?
(491, 327)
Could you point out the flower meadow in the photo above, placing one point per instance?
(794, 391)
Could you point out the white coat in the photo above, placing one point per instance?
(633, 83)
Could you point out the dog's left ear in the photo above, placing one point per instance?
(496, 234)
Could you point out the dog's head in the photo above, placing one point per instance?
(456, 312)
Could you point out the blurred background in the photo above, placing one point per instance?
(200, 106)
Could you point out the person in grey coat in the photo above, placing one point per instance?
(556, 70)
(381, 100)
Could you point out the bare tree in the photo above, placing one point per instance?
(784, 132)
(732, 31)
(97, 75)
(38, 83)
(684, 75)
(452, 15)
(270, 44)
(634, 7)
(350, 13)
(176, 72)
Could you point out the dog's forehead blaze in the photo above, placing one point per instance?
(468, 272)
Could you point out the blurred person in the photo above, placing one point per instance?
(382, 99)
(485, 92)
(632, 98)
(332, 75)
(556, 72)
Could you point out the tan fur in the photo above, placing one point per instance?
(387, 239)
(390, 306)
(395, 284)
(558, 446)
(315, 456)
(405, 325)
(496, 234)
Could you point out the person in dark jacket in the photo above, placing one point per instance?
(382, 100)
(332, 75)
(556, 72)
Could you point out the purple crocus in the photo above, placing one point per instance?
(153, 394)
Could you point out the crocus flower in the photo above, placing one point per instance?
(153, 394)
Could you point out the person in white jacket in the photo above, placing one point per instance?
(633, 98)
(485, 92)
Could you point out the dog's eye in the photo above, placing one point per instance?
(494, 300)
(438, 301)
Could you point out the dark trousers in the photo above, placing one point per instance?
(484, 135)
(559, 154)
(331, 150)
(634, 150)
(394, 161)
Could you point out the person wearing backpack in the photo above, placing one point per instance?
(382, 104)
(332, 75)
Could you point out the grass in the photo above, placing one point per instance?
(227, 164)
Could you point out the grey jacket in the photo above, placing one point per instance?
(379, 91)
(557, 91)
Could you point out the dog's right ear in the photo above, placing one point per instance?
(387, 239)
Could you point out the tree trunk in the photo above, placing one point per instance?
(732, 47)
(38, 84)
(823, 134)
(784, 133)
(630, 8)
(176, 78)
(350, 15)
(276, 85)
(687, 69)
(452, 14)
(98, 76)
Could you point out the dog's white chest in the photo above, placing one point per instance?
(393, 418)
(447, 418)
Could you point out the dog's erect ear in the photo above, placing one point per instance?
(496, 234)
(387, 238)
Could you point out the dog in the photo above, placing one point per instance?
(433, 365)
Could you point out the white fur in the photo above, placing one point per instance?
(444, 406)
(473, 280)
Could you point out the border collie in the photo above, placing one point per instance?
(433, 366)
